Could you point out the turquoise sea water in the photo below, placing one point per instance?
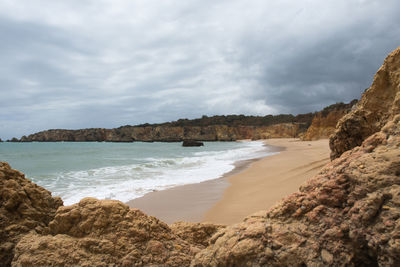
(123, 171)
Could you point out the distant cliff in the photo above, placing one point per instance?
(167, 133)
(324, 122)
(216, 128)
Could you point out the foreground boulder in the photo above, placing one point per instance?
(103, 233)
(348, 215)
(378, 105)
(24, 207)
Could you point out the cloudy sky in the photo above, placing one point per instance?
(80, 64)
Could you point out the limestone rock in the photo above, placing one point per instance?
(197, 234)
(324, 122)
(347, 215)
(24, 207)
(378, 105)
(103, 233)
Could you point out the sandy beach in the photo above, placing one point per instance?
(253, 186)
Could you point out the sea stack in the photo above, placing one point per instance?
(188, 143)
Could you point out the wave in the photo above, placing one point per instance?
(131, 181)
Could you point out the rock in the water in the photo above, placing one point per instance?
(24, 207)
(348, 215)
(378, 105)
(103, 233)
(192, 143)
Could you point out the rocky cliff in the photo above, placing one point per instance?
(379, 104)
(324, 122)
(167, 133)
(216, 128)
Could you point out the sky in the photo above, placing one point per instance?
(81, 64)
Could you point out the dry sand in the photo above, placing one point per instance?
(246, 190)
(270, 179)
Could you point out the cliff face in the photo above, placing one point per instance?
(324, 122)
(379, 104)
(167, 133)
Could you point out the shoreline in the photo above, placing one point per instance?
(270, 179)
(191, 202)
(253, 185)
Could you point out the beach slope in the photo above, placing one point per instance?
(270, 179)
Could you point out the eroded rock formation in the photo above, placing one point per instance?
(348, 215)
(24, 207)
(379, 104)
(324, 122)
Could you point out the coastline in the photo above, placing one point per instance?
(191, 202)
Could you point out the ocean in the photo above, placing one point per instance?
(123, 171)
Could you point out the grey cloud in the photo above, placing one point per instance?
(300, 77)
(106, 65)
